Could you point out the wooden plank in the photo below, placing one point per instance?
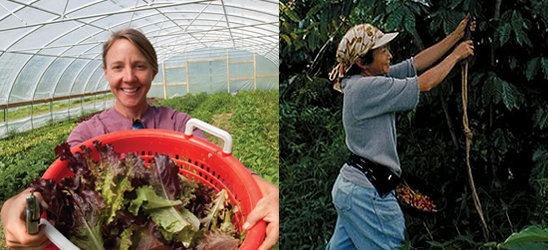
(246, 78)
(250, 61)
(176, 84)
(227, 72)
(268, 75)
(188, 85)
(207, 60)
(175, 67)
(164, 72)
(242, 78)
(46, 100)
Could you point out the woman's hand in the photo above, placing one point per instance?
(464, 50)
(267, 209)
(461, 28)
(15, 225)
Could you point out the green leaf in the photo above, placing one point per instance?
(544, 64)
(512, 63)
(540, 160)
(289, 13)
(286, 38)
(415, 8)
(540, 119)
(313, 39)
(518, 24)
(454, 4)
(451, 20)
(314, 10)
(517, 20)
(504, 33)
(125, 239)
(436, 21)
(476, 78)
(500, 141)
(521, 37)
(409, 21)
(149, 200)
(532, 68)
(170, 221)
(425, 3)
(394, 19)
(509, 93)
(490, 90)
(214, 211)
(393, 6)
(113, 184)
(530, 238)
(497, 90)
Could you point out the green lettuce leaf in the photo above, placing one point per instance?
(167, 185)
(149, 200)
(213, 211)
(116, 178)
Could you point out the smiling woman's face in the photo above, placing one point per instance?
(381, 61)
(128, 74)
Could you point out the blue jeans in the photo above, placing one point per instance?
(365, 220)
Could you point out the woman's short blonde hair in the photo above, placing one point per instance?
(136, 38)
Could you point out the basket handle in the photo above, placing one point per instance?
(227, 148)
(57, 238)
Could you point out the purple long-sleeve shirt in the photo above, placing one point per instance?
(112, 121)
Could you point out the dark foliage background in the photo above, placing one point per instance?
(508, 112)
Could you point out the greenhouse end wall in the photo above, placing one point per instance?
(214, 70)
(208, 70)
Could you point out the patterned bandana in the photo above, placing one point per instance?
(356, 43)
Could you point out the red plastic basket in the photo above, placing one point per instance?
(198, 159)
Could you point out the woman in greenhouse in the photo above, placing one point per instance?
(369, 216)
(130, 64)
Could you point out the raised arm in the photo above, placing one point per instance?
(432, 77)
(427, 57)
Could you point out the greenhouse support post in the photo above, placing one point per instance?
(164, 74)
(186, 68)
(227, 71)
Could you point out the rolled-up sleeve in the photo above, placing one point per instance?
(403, 69)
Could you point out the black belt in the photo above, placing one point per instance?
(382, 178)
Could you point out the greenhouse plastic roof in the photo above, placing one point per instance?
(50, 47)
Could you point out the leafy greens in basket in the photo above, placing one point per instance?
(122, 204)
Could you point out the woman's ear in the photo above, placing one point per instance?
(360, 64)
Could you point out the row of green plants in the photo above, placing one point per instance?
(251, 118)
(26, 156)
(45, 108)
(507, 109)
